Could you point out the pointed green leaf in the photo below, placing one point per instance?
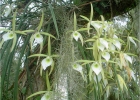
(91, 13)
(54, 19)
(36, 55)
(1, 43)
(31, 41)
(20, 32)
(49, 46)
(52, 67)
(95, 50)
(14, 42)
(29, 31)
(14, 22)
(84, 17)
(37, 93)
(82, 29)
(75, 22)
(41, 21)
(47, 34)
(81, 38)
(47, 81)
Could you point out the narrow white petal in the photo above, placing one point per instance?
(76, 35)
(46, 62)
(105, 82)
(106, 56)
(96, 25)
(132, 75)
(38, 38)
(96, 68)
(77, 67)
(7, 11)
(104, 42)
(99, 77)
(115, 36)
(131, 39)
(128, 58)
(111, 47)
(8, 36)
(101, 46)
(117, 44)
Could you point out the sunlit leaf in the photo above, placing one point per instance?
(37, 93)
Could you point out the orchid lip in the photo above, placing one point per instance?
(8, 36)
(96, 68)
(46, 62)
(77, 67)
(76, 35)
(38, 38)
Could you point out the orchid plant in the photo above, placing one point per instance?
(107, 51)
(107, 48)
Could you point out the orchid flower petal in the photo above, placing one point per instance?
(131, 39)
(117, 44)
(111, 47)
(38, 38)
(101, 46)
(115, 36)
(8, 36)
(46, 62)
(128, 58)
(96, 68)
(106, 56)
(77, 67)
(104, 42)
(76, 35)
(46, 97)
(132, 75)
(95, 24)
(7, 11)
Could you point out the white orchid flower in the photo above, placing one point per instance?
(101, 46)
(106, 56)
(7, 10)
(46, 97)
(112, 47)
(96, 67)
(77, 67)
(38, 37)
(96, 25)
(131, 39)
(76, 35)
(46, 62)
(104, 42)
(8, 36)
(116, 42)
(128, 58)
(132, 75)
